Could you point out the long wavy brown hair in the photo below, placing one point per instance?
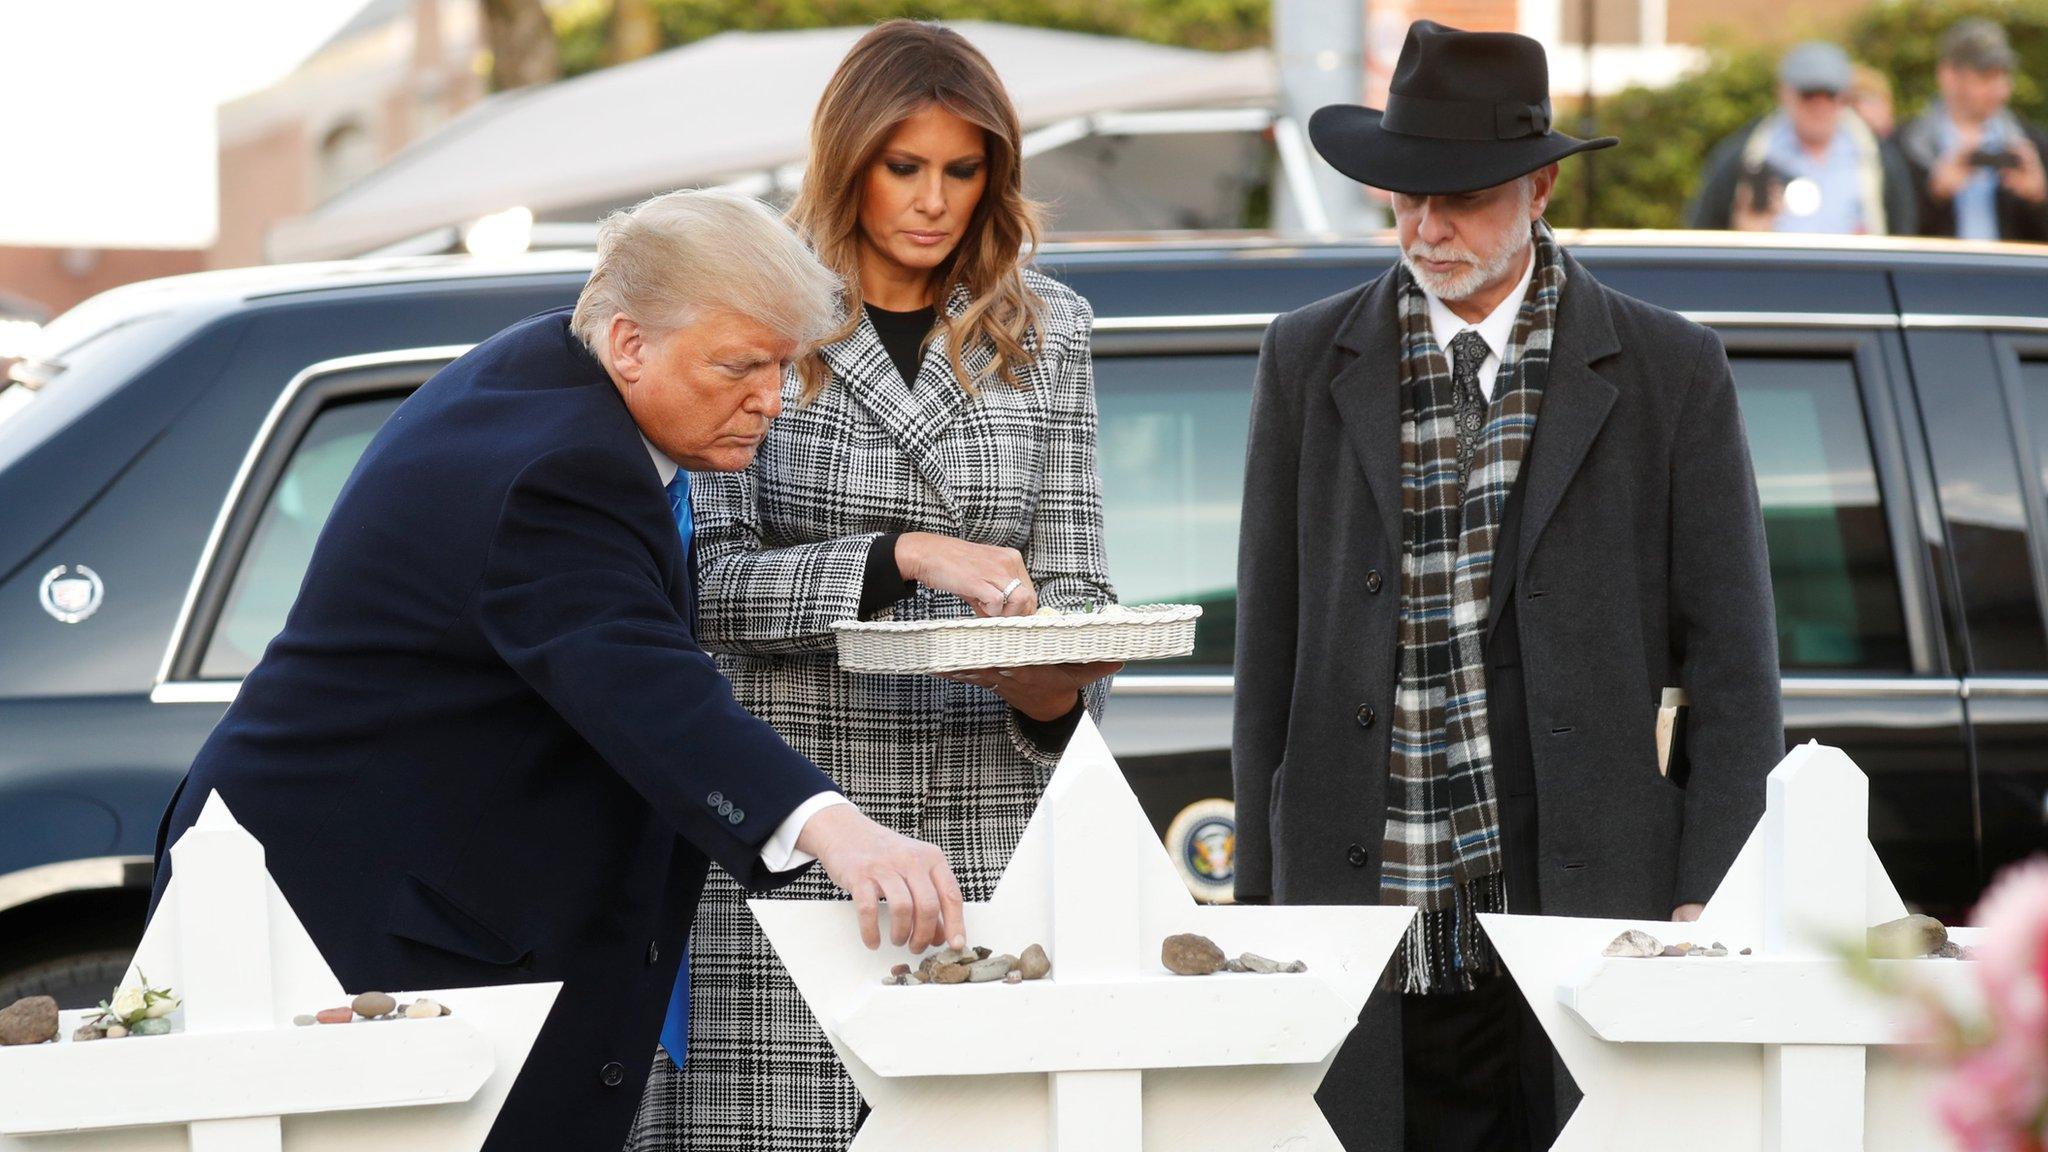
(898, 69)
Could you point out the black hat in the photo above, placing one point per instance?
(1465, 111)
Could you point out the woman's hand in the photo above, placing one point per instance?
(992, 580)
(1044, 692)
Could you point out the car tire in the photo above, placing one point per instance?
(79, 980)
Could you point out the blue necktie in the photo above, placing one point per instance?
(675, 1027)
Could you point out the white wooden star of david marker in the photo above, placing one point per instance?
(1778, 1051)
(239, 1076)
(1110, 1052)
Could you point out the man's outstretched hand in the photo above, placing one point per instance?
(874, 865)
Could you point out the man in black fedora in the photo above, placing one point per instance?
(1493, 510)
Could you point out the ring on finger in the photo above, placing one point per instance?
(1010, 589)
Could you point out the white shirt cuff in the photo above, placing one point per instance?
(780, 853)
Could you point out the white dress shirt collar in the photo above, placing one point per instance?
(1496, 329)
(663, 466)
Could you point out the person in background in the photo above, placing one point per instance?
(1977, 167)
(1807, 167)
(1870, 97)
(935, 462)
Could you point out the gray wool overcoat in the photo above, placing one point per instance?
(1640, 565)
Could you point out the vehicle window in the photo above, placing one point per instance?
(279, 549)
(1172, 434)
(1832, 573)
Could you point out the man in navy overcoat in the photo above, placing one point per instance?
(486, 748)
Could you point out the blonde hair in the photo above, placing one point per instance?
(672, 257)
(898, 69)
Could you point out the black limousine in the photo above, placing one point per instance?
(168, 459)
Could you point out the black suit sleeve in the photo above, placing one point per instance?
(1267, 606)
(1724, 624)
(573, 599)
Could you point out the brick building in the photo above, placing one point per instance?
(395, 72)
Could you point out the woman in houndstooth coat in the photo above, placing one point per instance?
(936, 461)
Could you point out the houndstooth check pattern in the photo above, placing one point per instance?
(1442, 846)
(781, 552)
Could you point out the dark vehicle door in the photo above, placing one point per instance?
(1981, 378)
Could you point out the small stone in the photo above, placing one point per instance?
(1015, 977)
(901, 979)
(335, 1015)
(30, 1020)
(422, 1010)
(303, 1019)
(900, 970)
(949, 974)
(1187, 954)
(153, 1026)
(1253, 962)
(1949, 950)
(1676, 950)
(1634, 943)
(1745, 952)
(1034, 963)
(116, 1031)
(91, 1030)
(981, 953)
(1712, 952)
(944, 956)
(990, 968)
(373, 1004)
(1234, 965)
(1906, 938)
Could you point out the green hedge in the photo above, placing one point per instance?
(1667, 132)
(1214, 24)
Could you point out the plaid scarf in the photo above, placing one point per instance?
(1442, 851)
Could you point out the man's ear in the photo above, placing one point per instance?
(627, 342)
(1545, 179)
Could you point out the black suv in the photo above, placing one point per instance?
(165, 468)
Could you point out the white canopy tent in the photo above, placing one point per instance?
(735, 109)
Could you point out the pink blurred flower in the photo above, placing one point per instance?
(2014, 952)
(1993, 1100)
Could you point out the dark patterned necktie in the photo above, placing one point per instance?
(1468, 352)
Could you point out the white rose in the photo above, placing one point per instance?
(128, 1003)
(164, 1007)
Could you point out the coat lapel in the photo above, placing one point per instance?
(1576, 400)
(915, 416)
(1368, 397)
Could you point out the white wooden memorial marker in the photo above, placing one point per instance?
(239, 1076)
(1110, 1052)
(1778, 1051)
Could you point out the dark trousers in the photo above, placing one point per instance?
(1476, 1066)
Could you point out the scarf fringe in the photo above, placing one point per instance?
(1446, 950)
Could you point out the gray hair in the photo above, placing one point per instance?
(671, 257)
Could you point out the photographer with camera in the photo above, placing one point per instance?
(1811, 166)
(1976, 166)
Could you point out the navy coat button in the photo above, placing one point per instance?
(1374, 582)
(715, 799)
(653, 953)
(725, 808)
(736, 816)
(1366, 716)
(614, 1074)
(1356, 854)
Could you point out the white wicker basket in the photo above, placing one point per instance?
(1139, 632)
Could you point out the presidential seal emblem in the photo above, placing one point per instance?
(71, 593)
(1202, 841)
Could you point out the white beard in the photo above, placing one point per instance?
(1508, 249)
(1470, 278)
